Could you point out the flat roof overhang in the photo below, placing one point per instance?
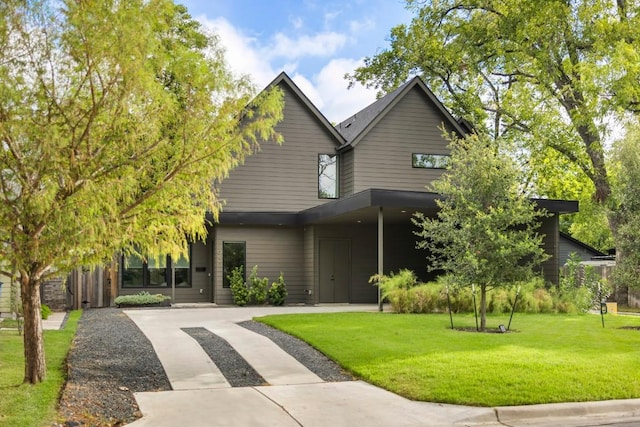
(363, 207)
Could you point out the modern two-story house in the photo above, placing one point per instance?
(328, 208)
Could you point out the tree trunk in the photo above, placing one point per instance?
(483, 308)
(35, 367)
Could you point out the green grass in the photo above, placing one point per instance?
(33, 405)
(546, 358)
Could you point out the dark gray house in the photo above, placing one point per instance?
(328, 208)
(570, 245)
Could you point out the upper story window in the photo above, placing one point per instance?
(429, 161)
(327, 176)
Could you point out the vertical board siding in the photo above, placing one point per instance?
(364, 257)
(400, 251)
(282, 178)
(383, 157)
(273, 250)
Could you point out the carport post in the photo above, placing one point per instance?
(380, 253)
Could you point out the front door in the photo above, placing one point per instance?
(335, 270)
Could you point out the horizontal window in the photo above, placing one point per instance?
(429, 161)
(153, 272)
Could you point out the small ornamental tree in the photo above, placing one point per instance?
(485, 231)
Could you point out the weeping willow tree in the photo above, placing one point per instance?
(115, 119)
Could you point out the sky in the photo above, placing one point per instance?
(314, 41)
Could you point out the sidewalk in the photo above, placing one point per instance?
(297, 397)
(55, 320)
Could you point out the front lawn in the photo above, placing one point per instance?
(546, 358)
(33, 405)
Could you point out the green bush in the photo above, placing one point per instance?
(143, 298)
(407, 295)
(239, 289)
(277, 293)
(257, 287)
(45, 311)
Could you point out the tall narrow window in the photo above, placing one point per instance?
(157, 272)
(182, 268)
(429, 161)
(327, 176)
(132, 271)
(233, 256)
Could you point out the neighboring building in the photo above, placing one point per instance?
(570, 245)
(5, 296)
(329, 208)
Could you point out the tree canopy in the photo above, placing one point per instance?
(558, 74)
(484, 233)
(116, 120)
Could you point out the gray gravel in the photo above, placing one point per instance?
(111, 359)
(233, 367)
(315, 361)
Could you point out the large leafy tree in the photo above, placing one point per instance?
(626, 156)
(485, 231)
(547, 77)
(116, 118)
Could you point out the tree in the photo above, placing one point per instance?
(116, 120)
(485, 230)
(627, 195)
(556, 75)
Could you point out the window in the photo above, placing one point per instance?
(153, 272)
(327, 176)
(429, 161)
(233, 256)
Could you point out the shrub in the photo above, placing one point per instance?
(45, 311)
(239, 290)
(257, 287)
(277, 293)
(143, 298)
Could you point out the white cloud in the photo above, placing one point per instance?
(327, 89)
(296, 21)
(357, 27)
(242, 52)
(338, 102)
(322, 44)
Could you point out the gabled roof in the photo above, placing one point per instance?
(581, 244)
(283, 78)
(357, 126)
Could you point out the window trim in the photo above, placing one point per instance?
(441, 157)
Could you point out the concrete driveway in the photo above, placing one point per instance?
(295, 396)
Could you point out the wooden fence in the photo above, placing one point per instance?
(92, 288)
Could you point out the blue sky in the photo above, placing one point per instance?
(316, 42)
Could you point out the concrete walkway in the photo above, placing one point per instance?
(297, 397)
(54, 321)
